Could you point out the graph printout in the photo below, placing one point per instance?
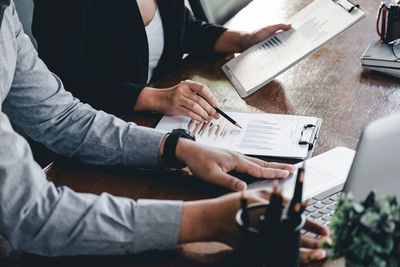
(262, 134)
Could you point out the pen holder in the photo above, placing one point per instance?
(268, 247)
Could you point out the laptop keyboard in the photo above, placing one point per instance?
(321, 210)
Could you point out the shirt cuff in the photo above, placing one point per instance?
(142, 146)
(156, 224)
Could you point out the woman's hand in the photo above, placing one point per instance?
(236, 42)
(181, 99)
(263, 34)
(214, 220)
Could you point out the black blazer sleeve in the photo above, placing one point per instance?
(199, 37)
(61, 44)
(114, 97)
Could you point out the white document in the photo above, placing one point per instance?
(312, 27)
(262, 134)
(323, 172)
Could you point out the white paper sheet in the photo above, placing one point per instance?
(262, 134)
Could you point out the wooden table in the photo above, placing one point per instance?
(329, 84)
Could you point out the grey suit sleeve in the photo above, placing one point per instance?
(36, 216)
(38, 103)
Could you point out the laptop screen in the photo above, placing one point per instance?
(376, 165)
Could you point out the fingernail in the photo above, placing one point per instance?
(319, 254)
(240, 186)
(285, 172)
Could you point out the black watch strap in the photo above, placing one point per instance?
(169, 153)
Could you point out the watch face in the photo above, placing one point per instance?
(190, 135)
(185, 134)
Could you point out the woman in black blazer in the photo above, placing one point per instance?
(99, 49)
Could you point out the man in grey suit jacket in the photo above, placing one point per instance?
(37, 217)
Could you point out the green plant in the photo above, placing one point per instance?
(366, 233)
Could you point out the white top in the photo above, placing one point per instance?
(155, 40)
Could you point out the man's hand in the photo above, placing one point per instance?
(214, 220)
(213, 164)
(237, 42)
(180, 99)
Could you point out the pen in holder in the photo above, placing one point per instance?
(267, 247)
(270, 234)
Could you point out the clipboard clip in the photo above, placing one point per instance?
(347, 4)
(309, 139)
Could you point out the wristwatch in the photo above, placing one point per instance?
(169, 154)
